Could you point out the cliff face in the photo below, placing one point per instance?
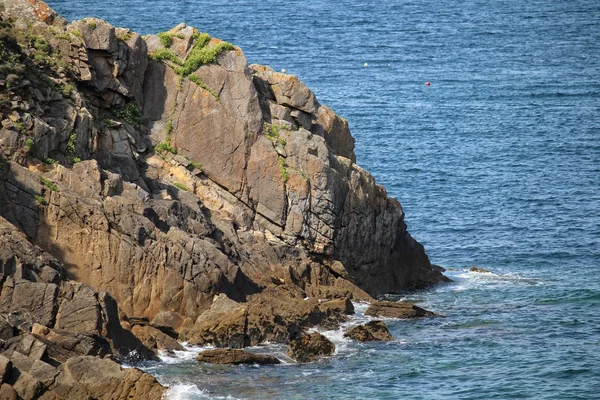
(164, 170)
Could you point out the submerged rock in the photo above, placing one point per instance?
(389, 309)
(310, 347)
(235, 357)
(479, 270)
(371, 331)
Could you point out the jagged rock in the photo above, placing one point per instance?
(389, 309)
(91, 377)
(235, 357)
(5, 368)
(169, 322)
(310, 347)
(155, 339)
(371, 331)
(223, 325)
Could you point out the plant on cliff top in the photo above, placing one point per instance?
(167, 38)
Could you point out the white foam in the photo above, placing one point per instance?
(183, 391)
(178, 356)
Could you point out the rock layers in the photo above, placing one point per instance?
(160, 188)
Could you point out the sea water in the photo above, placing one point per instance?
(496, 163)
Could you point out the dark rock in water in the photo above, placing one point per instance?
(371, 331)
(235, 357)
(479, 270)
(310, 347)
(389, 309)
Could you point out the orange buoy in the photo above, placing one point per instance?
(427, 83)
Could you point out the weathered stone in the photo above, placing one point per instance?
(479, 270)
(310, 347)
(371, 331)
(155, 339)
(389, 309)
(235, 357)
(5, 368)
(223, 325)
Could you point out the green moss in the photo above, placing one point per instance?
(49, 184)
(164, 146)
(40, 199)
(92, 25)
(181, 186)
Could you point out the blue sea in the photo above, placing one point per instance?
(496, 163)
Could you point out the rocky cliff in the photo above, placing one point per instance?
(140, 177)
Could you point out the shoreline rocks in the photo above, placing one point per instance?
(372, 331)
(235, 357)
(390, 309)
(309, 347)
(147, 197)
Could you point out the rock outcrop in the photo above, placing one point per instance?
(388, 309)
(142, 177)
(235, 357)
(310, 347)
(372, 331)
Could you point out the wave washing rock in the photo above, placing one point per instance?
(310, 347)
(151, 174)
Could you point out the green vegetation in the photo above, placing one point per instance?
(195, 164)
(40, 199)
(167, 38)
(200, 55)
(21, 127)
(77, 34)
(181, 186)
(272, 133)
(125, 36)
(50, 161)
(75, 160)
(130, 113)
(67, 90)
(92, 25)
(203, 85)
(29, 144)
(164, 146)
(49, 184)
(70, 150)
(283, 168)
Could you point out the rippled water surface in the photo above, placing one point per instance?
(497, 164)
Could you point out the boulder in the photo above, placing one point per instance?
(310, 347)
(479, 270)
(388, 309)
(235, 357)
(371, 331)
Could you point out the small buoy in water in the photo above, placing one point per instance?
(283, 71)
(427, 83)
(366, 65)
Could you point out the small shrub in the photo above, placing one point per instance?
(40, 199)
(29, 144)
(130, 113)
(67, 90)
(164, 146)
(195, 165)
(70, 150)
(92, 25)
(166, 54)
(49, 184)
(75, 160)
(50, 161)
(21, 127)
